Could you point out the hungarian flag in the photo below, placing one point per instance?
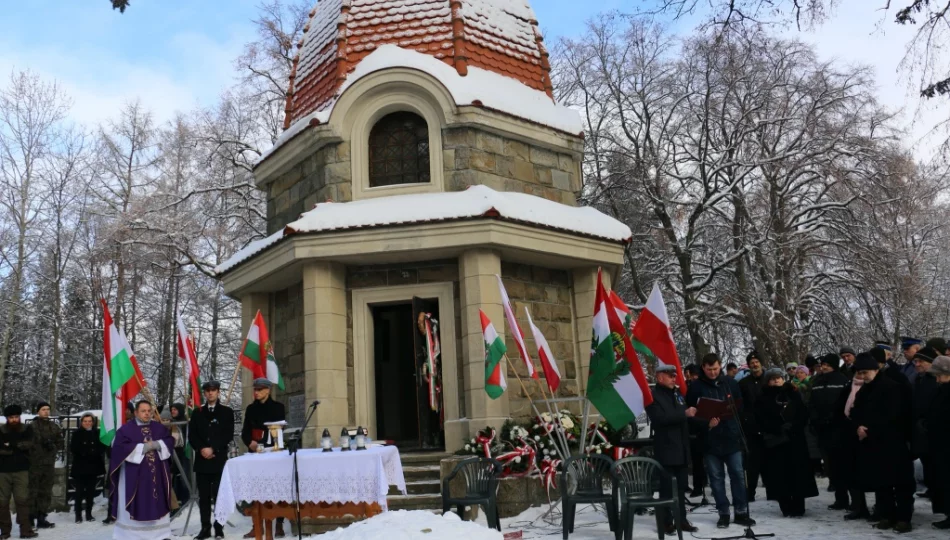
(515, 329)
(652, 331)
(626, 316)
(257, 354)
(548, 363)
(495, 349)
(617, 385)
(186, 351)
(121, 377)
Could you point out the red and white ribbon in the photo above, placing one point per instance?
(485, 441)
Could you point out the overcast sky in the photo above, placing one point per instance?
(176, 54)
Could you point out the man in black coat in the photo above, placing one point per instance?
(924, 390)
(16, 442)
(210, 431)
(883, 450)
(670, 419)
(255, 434)
(751, 389)
(826, 389)
(723, 443)
(696, 440)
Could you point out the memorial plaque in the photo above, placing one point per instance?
(296, 410)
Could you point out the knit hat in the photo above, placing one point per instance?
(12, 410)
(878, 354)
(805, 369)
(791, 365)
(845, 350)
(832, 360)
(166, 415)
(753, 354)
(941, 366)
(938, 343)
(40, 405)
(927, 354)
(866, 361)
(774, 373)
(810, 361)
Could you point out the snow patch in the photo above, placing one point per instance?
(251, 249)
(412, 525)
(494, 91)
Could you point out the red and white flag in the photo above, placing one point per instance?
(548, 363)
(515, 329)
(186, 351)
(653, 331)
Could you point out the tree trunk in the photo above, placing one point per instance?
(15, 292)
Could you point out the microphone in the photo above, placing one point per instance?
(315, 403)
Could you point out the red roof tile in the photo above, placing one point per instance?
(496, 35)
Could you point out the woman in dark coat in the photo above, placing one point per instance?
(782, 415)
(937, 427)
(87, 464)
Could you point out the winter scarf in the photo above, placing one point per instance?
(855, 386)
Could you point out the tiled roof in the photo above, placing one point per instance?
(501, 36)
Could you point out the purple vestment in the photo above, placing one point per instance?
(147, 484)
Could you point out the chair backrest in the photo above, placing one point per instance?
(586, 472)
(480, 473)
(638, 477)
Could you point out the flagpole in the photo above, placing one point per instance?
(566, 451)
(233, 382)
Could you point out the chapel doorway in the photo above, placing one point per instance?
(404, 390)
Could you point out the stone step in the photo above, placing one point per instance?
(425, 501)
(419, 487)
(413, 473)
(422, 458)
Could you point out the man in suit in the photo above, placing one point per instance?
(254, 433)
(670, 419)
(210, 432)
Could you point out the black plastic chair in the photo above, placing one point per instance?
(582, 482)
(637, 479)
(481, 485)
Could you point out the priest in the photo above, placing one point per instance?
(140, 479)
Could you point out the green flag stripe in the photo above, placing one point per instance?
(120, 370)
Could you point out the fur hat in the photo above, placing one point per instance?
(941, 366)
(867, 361)
(832, 360)
(753, 354)
(12, 410)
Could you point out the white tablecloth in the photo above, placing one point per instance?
(360, 476)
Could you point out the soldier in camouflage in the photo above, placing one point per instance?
(47, 439)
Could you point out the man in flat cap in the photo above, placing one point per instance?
(670, 419)
(210, 431)
(255, 434)
(47, 439)
(16, 441)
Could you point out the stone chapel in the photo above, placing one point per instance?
(423, 155)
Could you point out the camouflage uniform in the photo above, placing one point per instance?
(47, 439)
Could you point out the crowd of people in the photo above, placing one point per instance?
(139, 461)
(861, 419)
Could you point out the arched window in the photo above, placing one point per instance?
(399, 150)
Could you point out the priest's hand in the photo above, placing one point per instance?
(207, 453)
(253, 446)
(151, 446)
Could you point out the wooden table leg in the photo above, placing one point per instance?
(269, 529)
(256, 519)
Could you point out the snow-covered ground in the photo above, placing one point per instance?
(819, 522)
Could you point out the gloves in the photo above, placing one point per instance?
(152, 446)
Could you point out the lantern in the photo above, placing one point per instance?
(325, 441)
(360, 438)
(344, 440)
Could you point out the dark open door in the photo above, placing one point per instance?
(425, 314)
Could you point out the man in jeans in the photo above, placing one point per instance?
(723, 448)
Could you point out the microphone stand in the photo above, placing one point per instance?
(293, 444)
(749, 533)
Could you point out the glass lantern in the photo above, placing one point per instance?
(344, 440)
(360, 438)
(325, 441)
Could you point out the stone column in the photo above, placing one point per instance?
(250, 304)
(324, 329)
(479, 290)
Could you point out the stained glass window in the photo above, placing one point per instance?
(399, 150)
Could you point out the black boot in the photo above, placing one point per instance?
(204, 534)
(42, 523)
(89, 511)
(78, 513)
(857, 513)
(218, 530)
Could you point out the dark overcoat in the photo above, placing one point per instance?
(211, 429)
(87, 453)
(883, 457)
(781, 415)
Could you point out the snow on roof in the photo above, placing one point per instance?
(492, 90)
(476, 201)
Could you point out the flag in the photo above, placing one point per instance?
(186, 351)
(626, 317)
(121, 377)
(495, 349)
(257, 354)
(548, 363)
(653, 331)
(617, 385)
(515, 329)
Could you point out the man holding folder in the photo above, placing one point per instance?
(723, 449)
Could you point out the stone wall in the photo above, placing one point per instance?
(548, 295)
(473, 156)
(321, 176)
(287, 337)
(364, 277)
